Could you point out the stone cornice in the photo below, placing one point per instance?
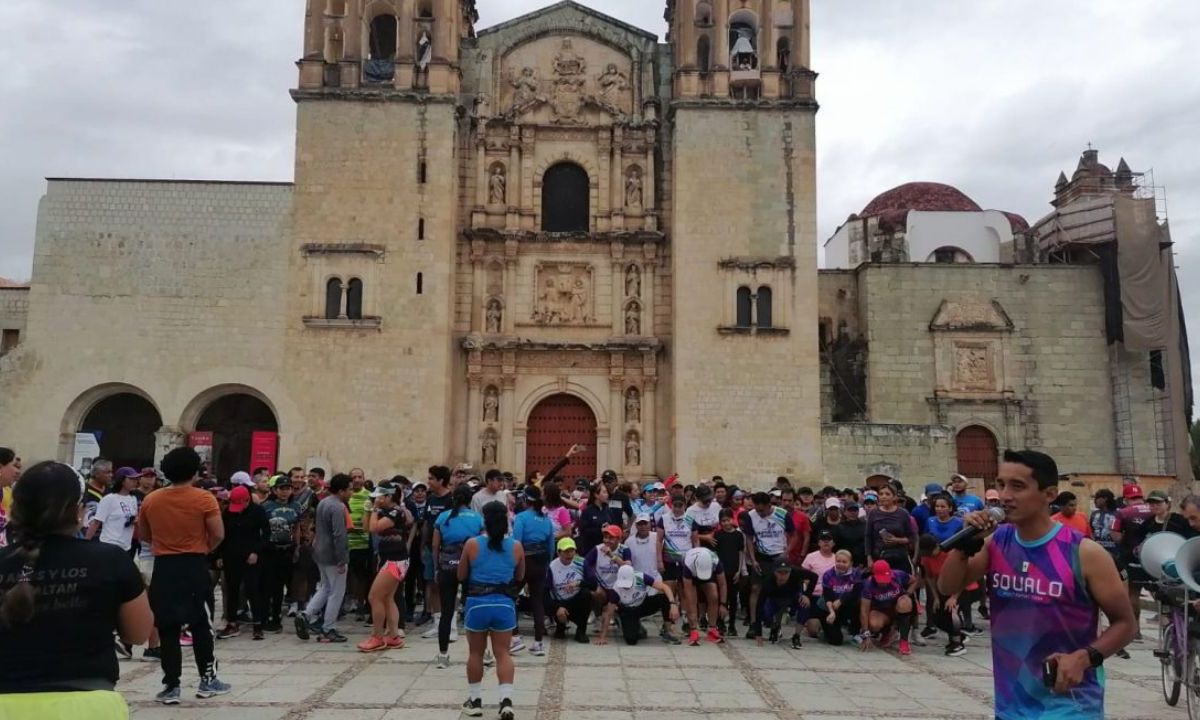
(476, 342)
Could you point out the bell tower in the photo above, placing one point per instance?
(743, 232)
(374, 212)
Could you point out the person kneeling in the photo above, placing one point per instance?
(786, 591)
(888, 605)
(566, 600)
(631, 600)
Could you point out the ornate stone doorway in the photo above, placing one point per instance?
(978, 454)
(125, 424)
(557, 423)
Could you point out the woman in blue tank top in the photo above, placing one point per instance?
(451, 530)
(492, 567)
(535, 532)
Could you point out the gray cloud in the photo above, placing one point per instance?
(993, 96)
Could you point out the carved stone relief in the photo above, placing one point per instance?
(633, 405)
(491, 404)
(526, 87)
(494, 317)
(497, 185)
(613, 86)
(974, 367)
(564, 294)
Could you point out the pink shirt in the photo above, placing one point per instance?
(818, 563)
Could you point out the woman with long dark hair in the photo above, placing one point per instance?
(891, 533)
(594, 517)
(61, 599)
(535, 532)
(451, 531)
(391, 523)
(491, 569)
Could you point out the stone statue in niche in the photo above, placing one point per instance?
(489, 448)
(633, 319)
(526, 87)
(613, 85)
(493, 317)
(633, 188)
(564, 295)
(424, 50)
(491, 405)
(633, 282)
(633, 450)
(497, 186)
(633, 406)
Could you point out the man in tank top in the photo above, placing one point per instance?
(1047, 585)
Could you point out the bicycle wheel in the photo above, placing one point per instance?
(1192, 681)
(1172, 672)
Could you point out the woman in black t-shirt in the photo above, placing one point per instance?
(391, 522)
(61, 600)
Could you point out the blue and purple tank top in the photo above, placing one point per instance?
(1040, 606)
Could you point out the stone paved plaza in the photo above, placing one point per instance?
(282, 677)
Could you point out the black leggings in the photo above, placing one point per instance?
(577, 607)
(535, 580)
(415, 577)
(447, 581)
(731, 597)
(631, 617)
(847, 616)
(276, 575)
(238, 573)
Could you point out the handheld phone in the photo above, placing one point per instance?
(1050, 673)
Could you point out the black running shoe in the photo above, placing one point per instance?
(473, 708)
(560, 632)
(301, 626)
(506, 710)
(797, 643)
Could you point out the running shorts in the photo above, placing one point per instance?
(672, 571)
(146, 567)
(396, 568)
(490, 613)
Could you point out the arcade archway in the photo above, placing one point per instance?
(124, 424)
(233, 419)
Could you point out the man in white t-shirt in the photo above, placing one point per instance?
(116, 512)
(492, 491)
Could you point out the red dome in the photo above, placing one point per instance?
(927, 196)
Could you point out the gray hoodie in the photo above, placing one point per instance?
(331, 545)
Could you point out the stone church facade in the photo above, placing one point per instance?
(556, 230)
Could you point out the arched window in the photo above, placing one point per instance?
(950, 256)
(978, 453)
(354, 299)
(383, 38)
(745, 307)
(703, 54)
(704, 13)
(763, 299)
(743, 40)
(425, 9)
(333, 298)
(565, 199)
(783, 54)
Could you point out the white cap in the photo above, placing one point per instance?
(701, 563)
(644, 517)
(625, 577)
(241, 477)
(833, 503)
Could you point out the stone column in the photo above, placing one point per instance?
(474, 418)
(649, 201)
(506, 453)
(767, 36)
(685, 33)
(618, 295)
(604, 142)
(166, 439)
(721, 29)
(514, 188)
(647, 299)
(618, 179)
(616, 425)
(648, 431)
(481, 173)
(478, 286)
(406, 42)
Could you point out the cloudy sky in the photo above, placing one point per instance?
(993, 96)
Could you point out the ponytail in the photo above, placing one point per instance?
(462, 499)
(495, 524)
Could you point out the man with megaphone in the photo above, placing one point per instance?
(1046, 656)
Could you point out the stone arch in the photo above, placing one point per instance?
(567, 202)
(201, 402)
(545, 390)
(567, 157)
(951, 254)
(79, 408)
(378, 38)
(232, 413)
(977, 452)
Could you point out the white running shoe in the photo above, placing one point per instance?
(443, 661)
(453, 634)
(517, 644)
(488, 658)
(537, 649)
(432, 632)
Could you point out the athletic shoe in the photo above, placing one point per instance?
(301, 626)
(443, 662)
(231, 630)
(929, 632)
(125, 650)
(453, 633)
(731, 630)
(984, 612)
(273, 627)
(973, 631)
(797, 643)
(751, 634)
(473, 708)
(560, 632)
(395, 642)
(422, 619)
(774, 636)
(905, 648)
(258, 633)
(488, 658)
(1122, 653)
(211, 687)
(169, 696)
(956, 649)
(152, 655)
(506, 709)
(537, 649)
(517, 644)
(432, 632)
(332, 636)
(185, 639)
(694, 638)
(293, 610)
(581, 636)
(372, 644)
(669, 638)
(920, 641)
(714, 636)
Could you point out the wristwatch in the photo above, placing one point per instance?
(1094, 656)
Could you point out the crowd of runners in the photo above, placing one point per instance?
(511, 561)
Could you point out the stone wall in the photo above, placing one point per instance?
(913, 454)
(746, 404)
(14, 309)
(169, 288)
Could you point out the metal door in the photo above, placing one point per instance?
(557, 423)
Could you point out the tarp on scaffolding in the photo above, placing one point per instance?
(1144, 266)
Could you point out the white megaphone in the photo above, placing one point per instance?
(1157, 556)
(1187, 564)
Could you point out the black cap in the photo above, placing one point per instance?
(825, 535)
(852, 506)
(781, 566)
(608, 475)
(703, 492)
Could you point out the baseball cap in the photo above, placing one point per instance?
(281, 480)
(241, 477)
(644, 517)
(420, 484)
(776, 493)
(781, 566)
(613, 531)
(956, 477)
(648, 487)
(566, 544)
(991, 495)
(804, 491)
(384, 489)
(625, 577)
(608, 475)
(659, 486)
(1157, 496)
(833, 503)
(239, 498)
(702, 566)
(852, 506)
(872, 496)
(1131, 491)
(147, 471)
(882, 572)
(739, 494)
(933, 489)
(125, 472)
(825, 535)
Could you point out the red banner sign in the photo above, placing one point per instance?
(264, 451)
